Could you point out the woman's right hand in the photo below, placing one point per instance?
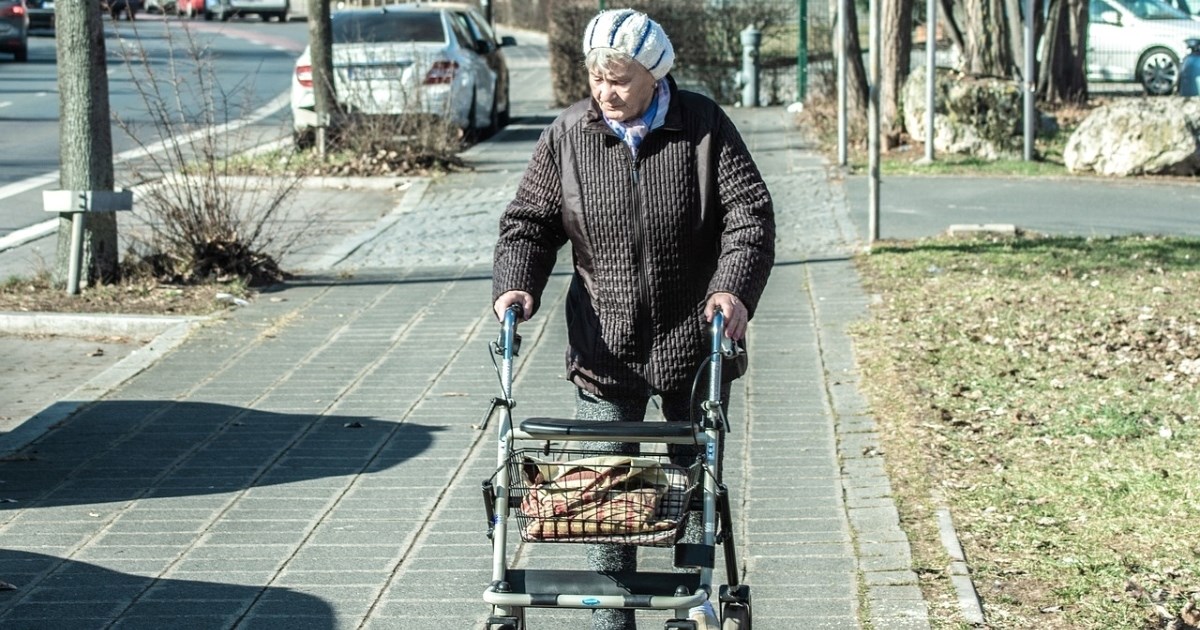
(509, 298)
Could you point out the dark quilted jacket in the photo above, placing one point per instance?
(651, 240)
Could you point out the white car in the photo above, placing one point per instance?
(222, 10)
(1138, 40)
(437, 59)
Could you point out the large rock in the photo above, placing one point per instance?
(1134, 136)
(980, 117)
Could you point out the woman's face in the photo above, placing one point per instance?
(624, 92)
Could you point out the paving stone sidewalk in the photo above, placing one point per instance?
(311, 461)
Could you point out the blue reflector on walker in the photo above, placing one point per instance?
(591, 601)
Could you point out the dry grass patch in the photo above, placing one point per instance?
(1048, 391)
(130, 296)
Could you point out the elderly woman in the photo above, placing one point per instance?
(668, 220)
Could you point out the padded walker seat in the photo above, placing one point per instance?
(602, 431)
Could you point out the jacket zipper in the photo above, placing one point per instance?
(643, 280)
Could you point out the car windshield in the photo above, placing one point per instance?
(1153, 10)
(377, 27)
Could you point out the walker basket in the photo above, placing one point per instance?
(587, 498)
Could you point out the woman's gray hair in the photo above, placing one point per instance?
(607, 60)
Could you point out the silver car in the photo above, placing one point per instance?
(1138, 41)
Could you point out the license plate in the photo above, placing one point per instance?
(369, 73)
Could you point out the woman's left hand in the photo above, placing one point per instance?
(736, 315)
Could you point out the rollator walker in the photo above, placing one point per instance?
(550, 493)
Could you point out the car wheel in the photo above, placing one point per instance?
(1158, 70)
(471, 131)
(493, 117)
(506, 113)
(208, 16)
(22, 53)
(285, 15)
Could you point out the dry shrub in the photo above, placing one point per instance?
(388, 145)
(819, 118)
(193, 220)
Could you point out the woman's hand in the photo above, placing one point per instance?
(509, 298)
(736, 315)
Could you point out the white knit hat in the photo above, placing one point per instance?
(635, 34)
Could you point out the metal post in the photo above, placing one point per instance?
(78, 204)
(76, 255)
(1030, 81)
(842, 86)
(751, 40)
(873, 122)
(930, 74)
(802, 51)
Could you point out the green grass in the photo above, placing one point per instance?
(1048, 390)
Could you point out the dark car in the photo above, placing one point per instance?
(41, 13)
(118, 9)
(14, 29)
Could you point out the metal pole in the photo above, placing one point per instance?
(873, 121)
(802, 52)
(930, 74)
(1030, 81)
(76, 254)
(751, 40)
(841, 37)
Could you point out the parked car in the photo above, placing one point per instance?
(222, 10)
(189, 9)
(437, 59)
(159, 7)
(118, 9)
(14, 29)
(1138, 41)
(41, 13)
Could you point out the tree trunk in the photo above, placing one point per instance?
(85, 138)
(320, 35)
(988, 42)
(950, 21)
(896, 59)
(1062, 73)
(856, 70)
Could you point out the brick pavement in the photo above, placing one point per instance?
(310, 461)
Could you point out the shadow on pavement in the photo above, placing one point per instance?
(56, 593)
(114, 451)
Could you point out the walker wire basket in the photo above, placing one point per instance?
(583, 497)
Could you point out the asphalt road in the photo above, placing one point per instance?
(244, 67)
(915, 207)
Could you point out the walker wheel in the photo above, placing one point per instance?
(503, 623)
(735, 616)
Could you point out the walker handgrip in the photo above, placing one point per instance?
(718, 332)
